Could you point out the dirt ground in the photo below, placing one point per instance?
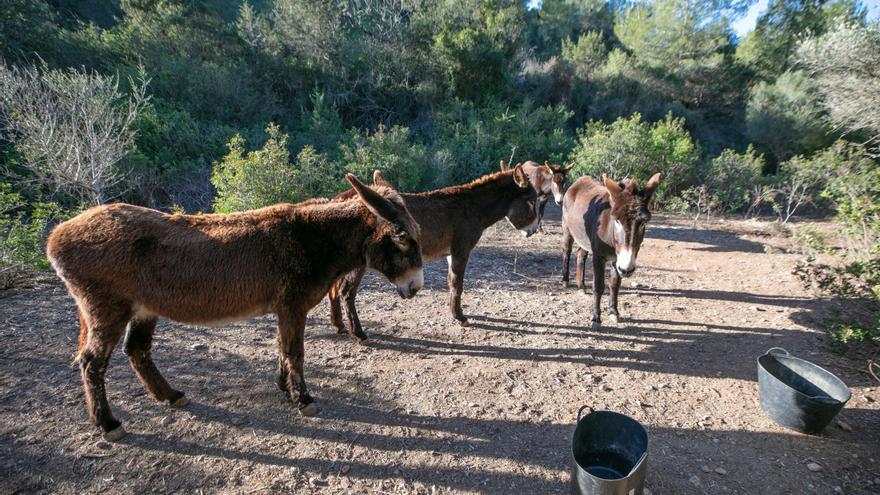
(430, 407)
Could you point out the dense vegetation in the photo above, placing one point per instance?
(226, 104)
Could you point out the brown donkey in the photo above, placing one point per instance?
(547, 179)
(452, 221)
(609, 221)
(128, 266)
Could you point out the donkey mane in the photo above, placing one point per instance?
(470, 186)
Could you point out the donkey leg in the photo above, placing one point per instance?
(350, 286)
(613, 287)
(598, 289)
(336, 306)
(138, 345)
(455, 279)
(567, 243)
(104, 326)
(579, 274)
(291, 335)
(541, 215)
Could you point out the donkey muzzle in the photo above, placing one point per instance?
(410, 283)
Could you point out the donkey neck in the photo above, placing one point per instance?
(335, 233)
(484, 200)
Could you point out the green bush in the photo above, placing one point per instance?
(471, 140)
(402, 163)
(731, 177)
(631, 147)
(852, 186)
(245, 181)
(22, 230)
(586, 55)
(785, 118)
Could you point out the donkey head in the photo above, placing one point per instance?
(393, 248)
(629, 217)
(523, 212)
(558, 180)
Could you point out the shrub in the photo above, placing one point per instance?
(785, 118)
(403, 164)
(731, 178)
(22, 229)
(586, 55)
(259, 178)
(852, 186)
(630, 147)
(471, 140)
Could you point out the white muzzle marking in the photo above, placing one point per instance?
(411, 282)
(626, 262)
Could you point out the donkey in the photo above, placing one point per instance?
(547, 179)
(452, 221)
(128, 266)
(609, 221)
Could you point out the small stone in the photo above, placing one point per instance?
(837, 489)
(345, 469)
(104, 445)
(720, 471)
(843, 425)
(695, 480)
(199, 347)
(758, 308)
(706, 469)
(814, 467)
(167, 420)
(646, 492)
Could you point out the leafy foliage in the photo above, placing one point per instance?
(248, 180)
(635, 148)
(785, 118)
(22, 228)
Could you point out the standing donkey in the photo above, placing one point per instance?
(547, 179)
(127, 266)
(452, 221)
(608, 220)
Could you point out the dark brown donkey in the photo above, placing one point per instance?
(128, 266)
(547, 179)
(609, 221)
(452, 221)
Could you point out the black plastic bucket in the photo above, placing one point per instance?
(798, 394)
(610, 452)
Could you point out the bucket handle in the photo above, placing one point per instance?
(784, 352)
(581, 410)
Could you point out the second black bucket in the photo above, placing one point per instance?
(798, 394)
(610, 453)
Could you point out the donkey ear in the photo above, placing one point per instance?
(631, 185)
(378, 180)
(612, 185)
(374, 201)
(651, 186)
(504, 167)
(520, 177)
(567, 168)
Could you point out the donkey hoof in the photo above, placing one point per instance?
(115, 434)
(364, 342)
(462, 321)
(179, 402)
(614, 319)
(309, 409)
(597, 325)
